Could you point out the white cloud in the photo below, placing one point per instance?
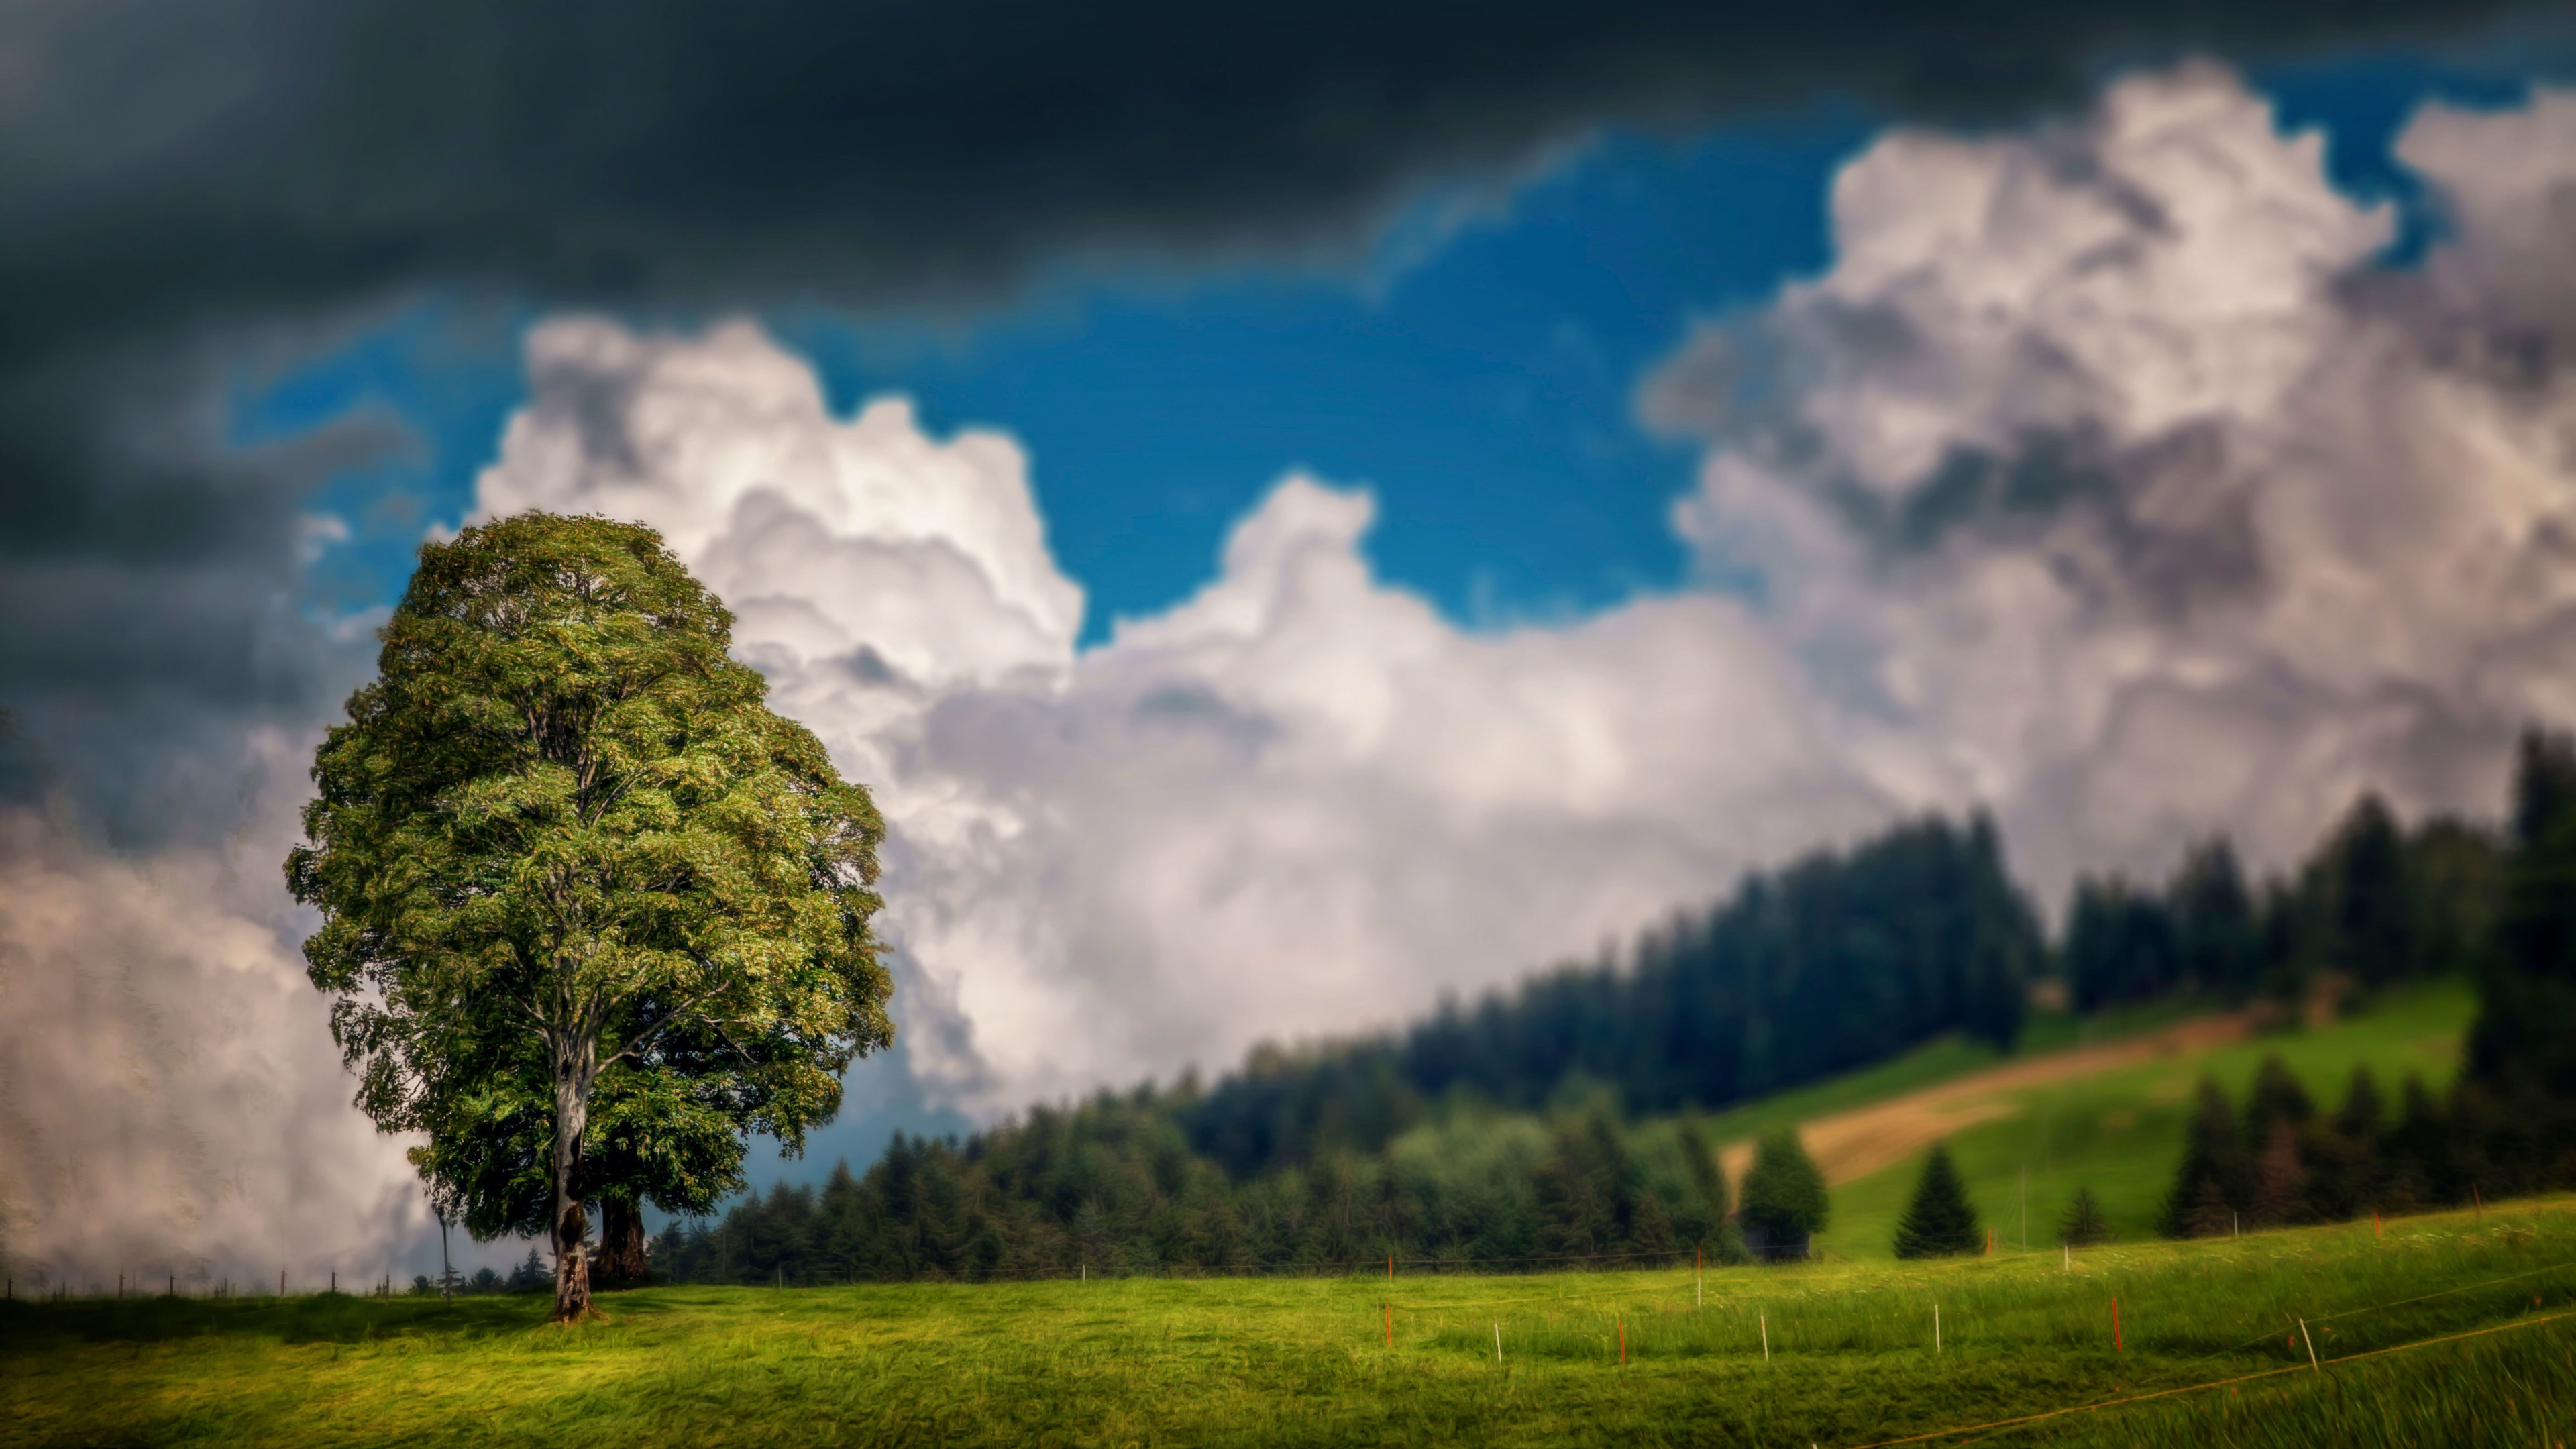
(171, 1103)
(2113, 474)
(1298, 802)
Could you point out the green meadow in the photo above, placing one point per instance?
(1851, 1359)
(2118, 1131)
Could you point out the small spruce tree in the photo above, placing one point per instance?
(1783, 1195)
(1939, 1222)
(2084, 1225)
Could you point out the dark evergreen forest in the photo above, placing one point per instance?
(1554, 1122)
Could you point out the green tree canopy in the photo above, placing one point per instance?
(591, 911)
(1939, 1222)
(1783, 1193)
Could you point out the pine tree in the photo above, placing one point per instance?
(2214, 1161)
(2208, 1216)
(2276, 1097)
(1653, 1233)
(1939, 1222)
(2084, 1225)
(2280, 1178)
(1784, 1195)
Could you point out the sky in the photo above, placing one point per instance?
(1278, 551)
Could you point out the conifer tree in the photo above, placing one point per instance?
(2208, 1216)
(2084, 1225)
(1784, 1195)
(2522, 1049)
(2276, 1097)
(2280, 1178)
(2214, 1162)
(1939, 1222)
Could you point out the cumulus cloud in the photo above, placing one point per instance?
(171, 1104)
(2110, 467)
(1297, 802)
(2108, 479)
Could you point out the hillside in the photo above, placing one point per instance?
(2105, 1114)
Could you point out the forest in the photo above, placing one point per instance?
(1556, 1122)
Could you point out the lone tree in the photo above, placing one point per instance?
(1939, 1222)
(1783, 1198)
(591, 911)
(2084, 1226)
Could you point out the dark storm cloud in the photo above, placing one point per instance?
(175, 176)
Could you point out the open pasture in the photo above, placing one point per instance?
(1852, 1358)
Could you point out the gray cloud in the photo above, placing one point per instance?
(184, 179)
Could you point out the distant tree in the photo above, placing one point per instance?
(2214, 1162)
(2457, 870)
(1579, 1191)
(2345, 1152)
(1784, 1197)
(2208, 1215)
(485, 1280)
(563, 851)
(1652, 1230)
(2218, 943)
(531, 1275)
(2523, 1045)
(2120, 945)
(2276, 1097)
(2372, 902)
(1716, 1232)
(2084, 1225)
(1939, 1222)
(2280, 1177)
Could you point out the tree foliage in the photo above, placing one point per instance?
(2085, 1225)
(1839, 959)
(591, 911)
(2374, 904)
(1783, 1193)
(1939, 1222)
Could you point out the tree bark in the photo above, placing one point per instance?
(621, 1262)
(576, 1069)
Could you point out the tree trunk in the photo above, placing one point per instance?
(576, 1068)
(621, 1262)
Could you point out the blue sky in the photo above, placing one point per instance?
(1477, 372)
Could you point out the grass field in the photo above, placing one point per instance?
(1305, 1361)
(2118, 1131)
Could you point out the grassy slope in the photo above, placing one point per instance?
(2121, 1132)
(1305, 1361)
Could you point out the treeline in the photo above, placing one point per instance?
(1111, 1186)
(1841, 959)
(2374, 904)
(1492, 1134)
(2508, 1125)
